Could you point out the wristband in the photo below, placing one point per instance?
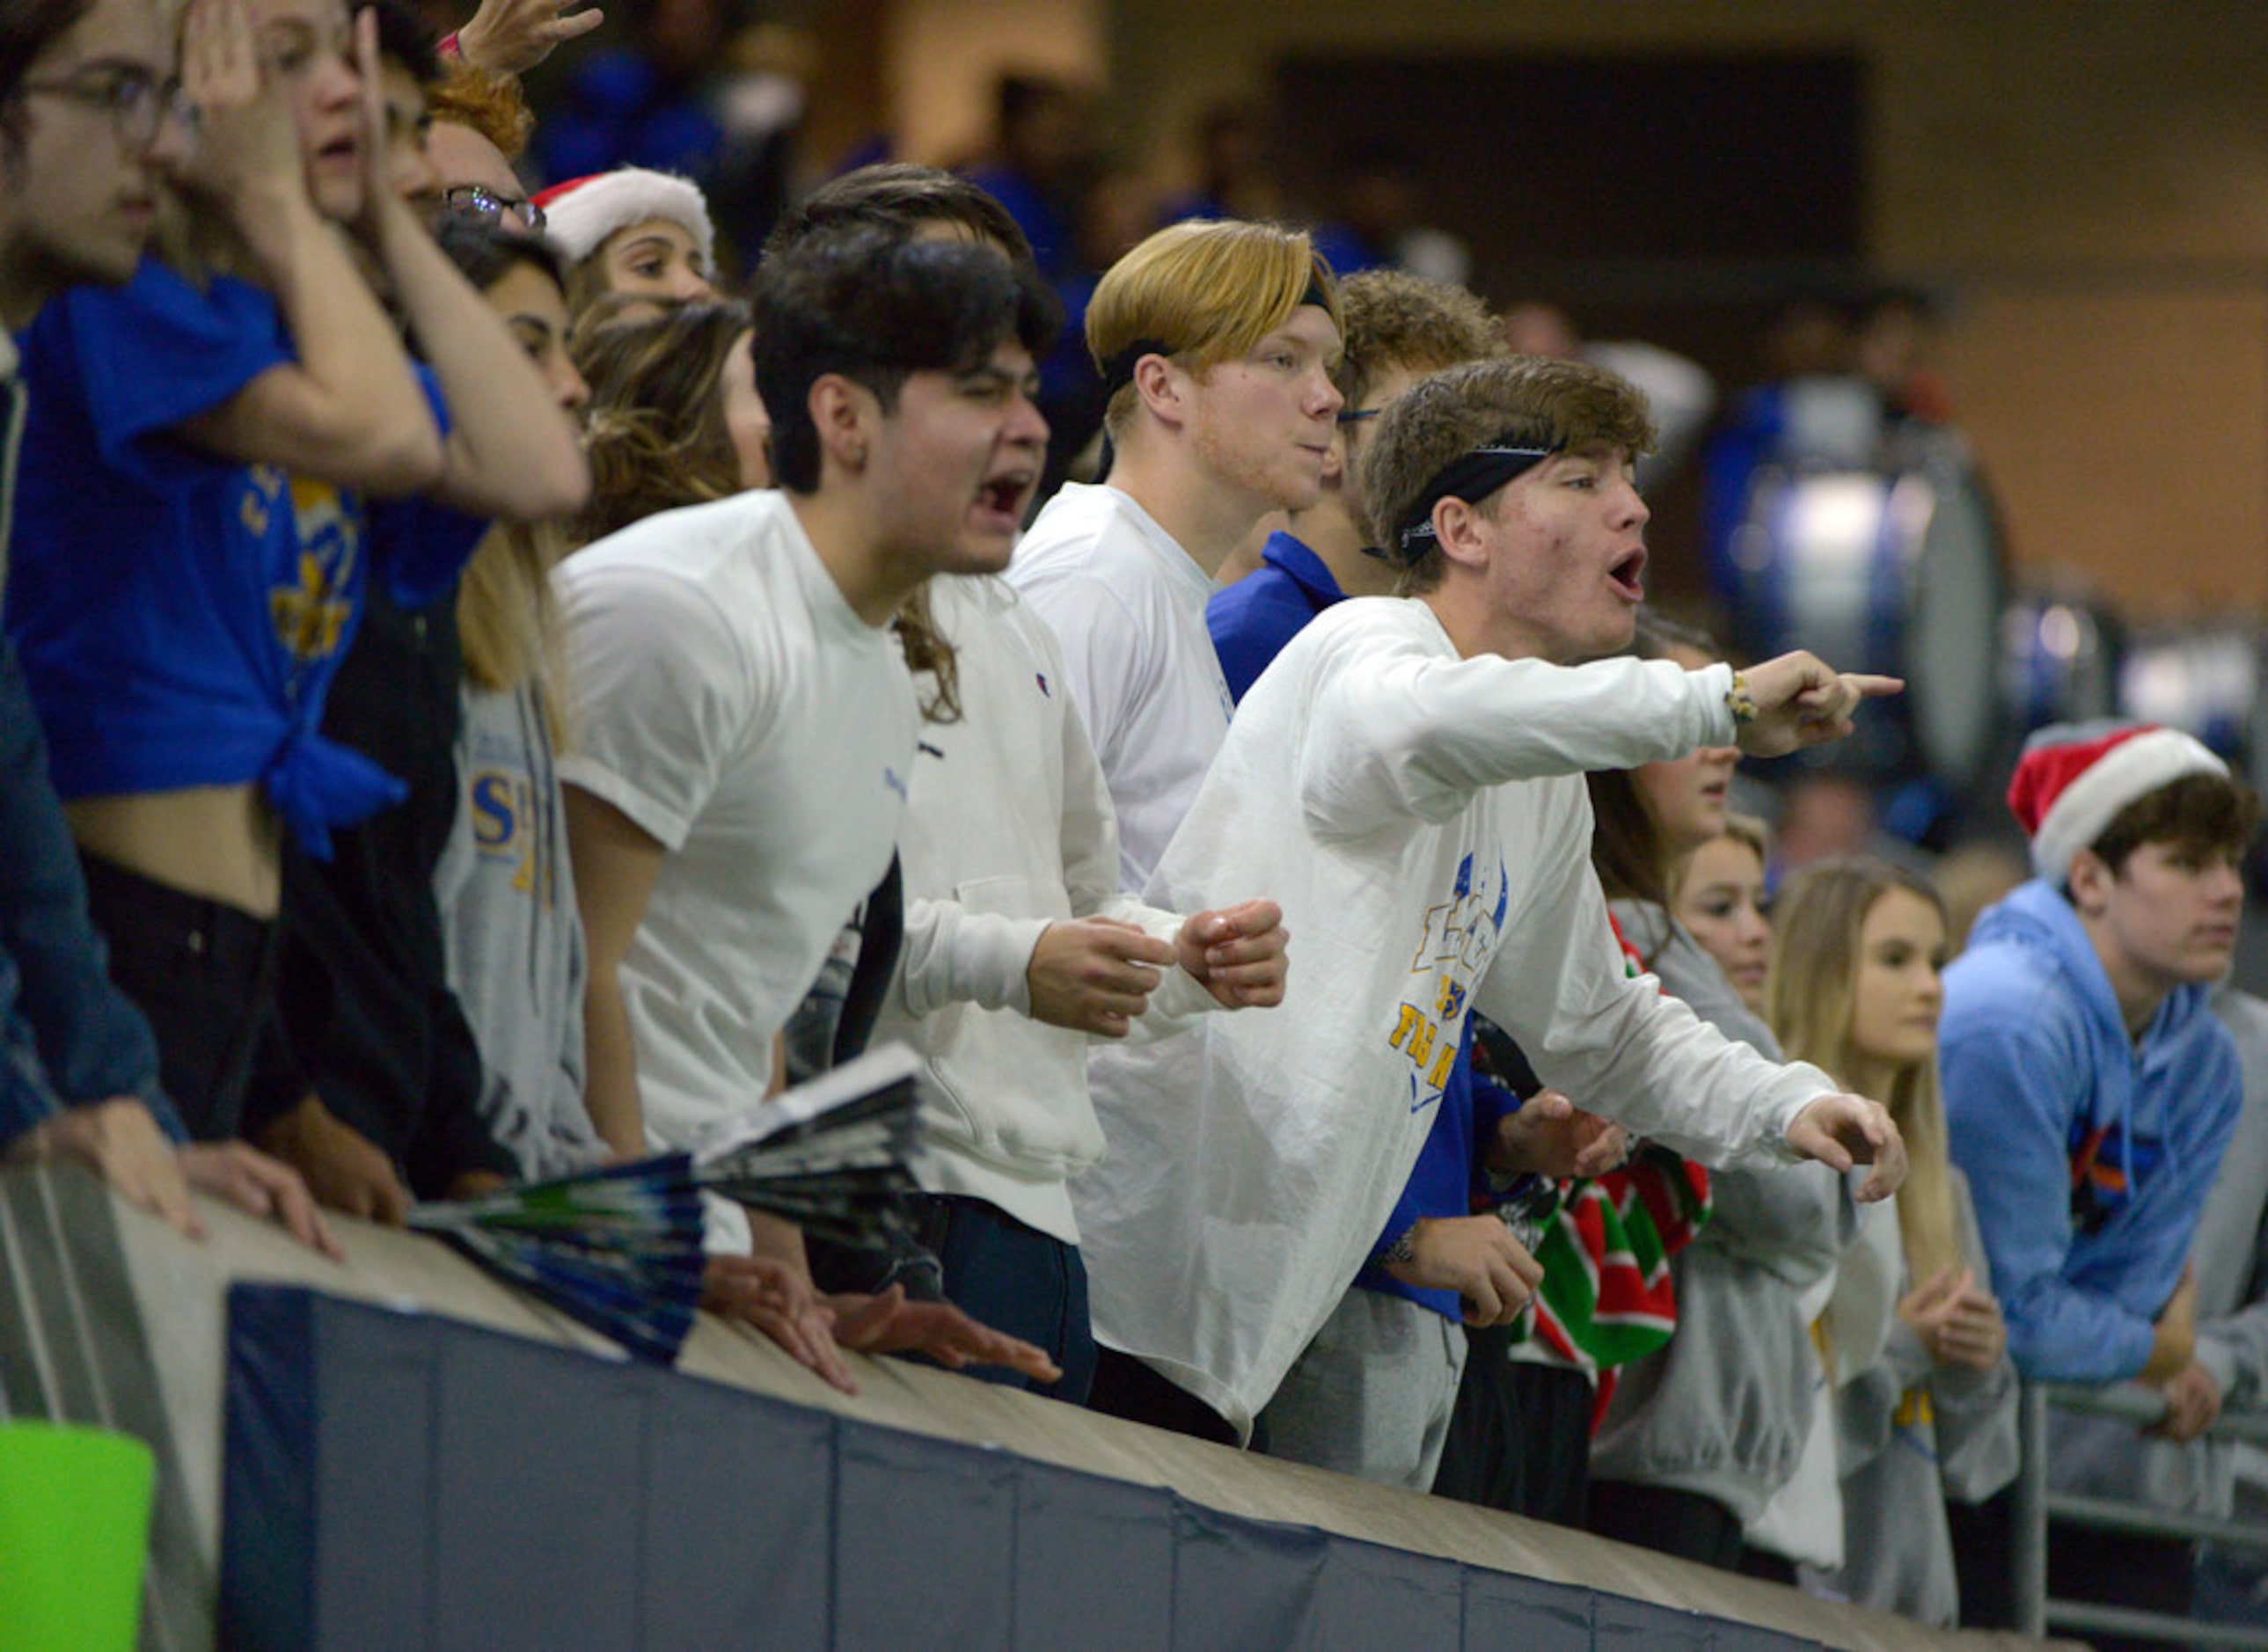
(1403, 1250)
(1739, 700)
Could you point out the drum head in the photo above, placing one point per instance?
(1953, 621)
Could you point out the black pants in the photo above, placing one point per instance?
(1519, 1439)
(1125, 1387)
(1683, 1523)
(204, 971)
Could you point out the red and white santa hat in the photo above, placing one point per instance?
(580, 214)
(2074, 778)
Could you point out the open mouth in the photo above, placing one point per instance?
(1003, 497)
(341, 151)
(1628, 576)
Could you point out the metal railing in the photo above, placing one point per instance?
(2036, 1611)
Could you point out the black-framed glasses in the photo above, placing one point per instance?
(484, 202)
(137, 102)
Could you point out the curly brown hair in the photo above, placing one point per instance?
(489, 104)
(1388, 318)
(1526, 401)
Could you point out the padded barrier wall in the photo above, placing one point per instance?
(405, 1481)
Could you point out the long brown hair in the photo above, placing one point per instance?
(1811, 1000)
(1627, 849)
(658, 439)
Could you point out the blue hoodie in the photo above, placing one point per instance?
(2089, 1156)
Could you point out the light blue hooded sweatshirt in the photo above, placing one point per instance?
(2088, 1155)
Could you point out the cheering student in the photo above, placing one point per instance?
(747, 725)
(1405, 782)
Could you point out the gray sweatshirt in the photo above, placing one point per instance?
(1722, 1411)
(514, 943)
(1911, 1433)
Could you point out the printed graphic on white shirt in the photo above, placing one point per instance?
(1460, 937)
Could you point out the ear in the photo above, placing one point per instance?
(1458, 530)
(844, 415)
(2089, 883)
(1164, 389)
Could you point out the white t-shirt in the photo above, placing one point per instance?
(1128, 606)
(732, 704)
(1423, 821)
(1008, 829)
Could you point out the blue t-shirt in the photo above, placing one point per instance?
(1252, 619)
(181, 616)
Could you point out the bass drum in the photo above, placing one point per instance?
(1894, 571)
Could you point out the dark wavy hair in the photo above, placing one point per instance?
(901, 197)
(28, 29)
(875, 307)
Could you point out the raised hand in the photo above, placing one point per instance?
(246, 154)
(1800, 701)
(1840, 1131)
(510, 37)
(1093, 975)
(1237, 953)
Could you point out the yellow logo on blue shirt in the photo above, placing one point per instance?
(311, 612)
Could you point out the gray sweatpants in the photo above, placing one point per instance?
(1373, 1395)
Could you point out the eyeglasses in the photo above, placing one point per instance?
(137, 102)
(484, 202)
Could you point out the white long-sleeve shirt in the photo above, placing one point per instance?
(1008, 828)
(1423, 821)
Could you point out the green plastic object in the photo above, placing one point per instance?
(74, 1529)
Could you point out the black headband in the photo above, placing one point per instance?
(1118, 372)
(1471, 477)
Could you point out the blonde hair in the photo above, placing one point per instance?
(508, 620)
(1811, 1000)
(1202, 292)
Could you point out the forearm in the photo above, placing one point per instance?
(954, 955)
(28, 1100)
(1419, 733)
(509, 452)
(2173, 1346)
(2057, 1334)
(355, 413)
(610, 1088)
